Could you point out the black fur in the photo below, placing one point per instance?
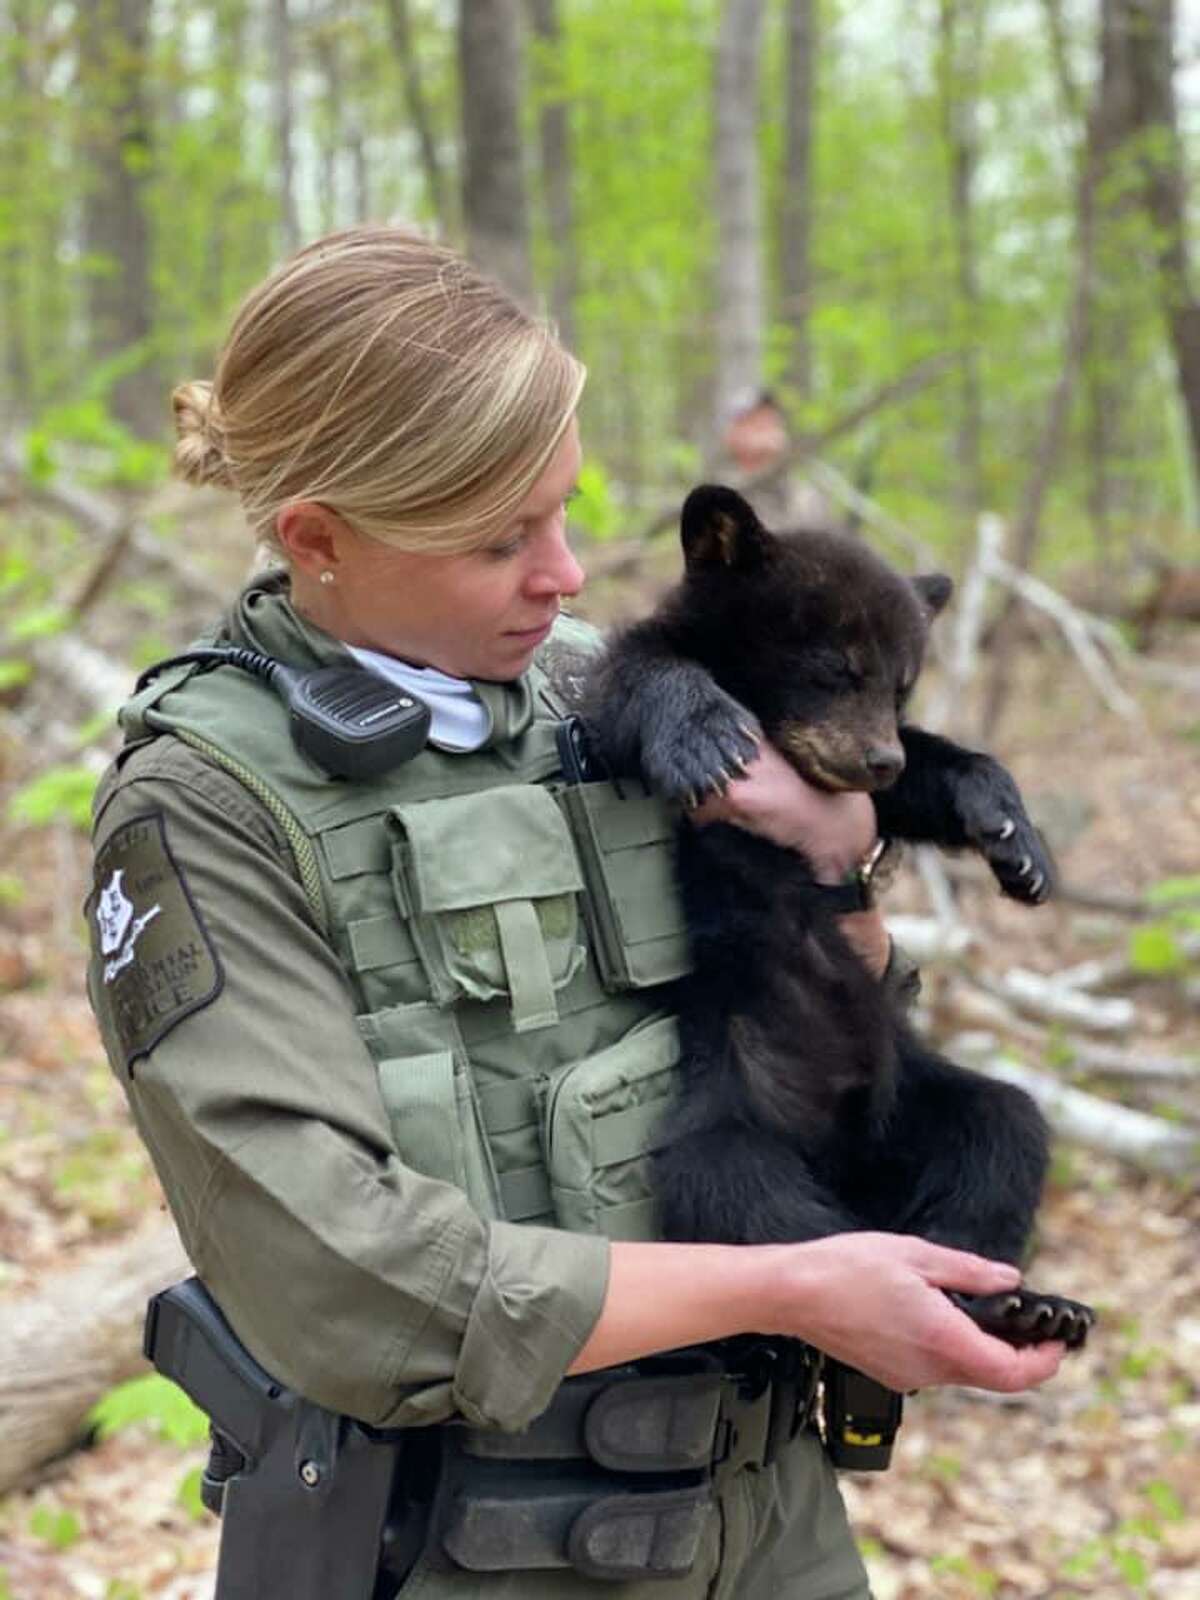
(808, 1105)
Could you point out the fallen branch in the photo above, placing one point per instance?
(1146, 1142)
(1078, 629)
(68, 1344)
(1049, 998)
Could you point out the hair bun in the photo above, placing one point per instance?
(200, 453)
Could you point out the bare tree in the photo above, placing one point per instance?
(1145, 29)
(495, 198)
(740, 301)
(554, 139)
(404, 45)
(116, 148)
(282, 77)
(960, 48)
(796, 221)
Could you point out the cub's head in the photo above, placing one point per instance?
(810, 630)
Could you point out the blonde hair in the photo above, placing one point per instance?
(385, 377)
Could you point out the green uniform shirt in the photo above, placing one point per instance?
(364, 1285)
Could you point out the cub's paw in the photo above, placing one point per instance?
(695, 749)
(1022, 1316)
(995, 821)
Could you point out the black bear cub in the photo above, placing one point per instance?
(808, 1106)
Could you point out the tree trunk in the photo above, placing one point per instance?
(400, 25)
(65, 1346)
(495, 200)
(740, 308)
(1052, 433)
(116, 139)
(796, 221)
(960, 45)
(554, 138)
(281, 50)
(1148, 29)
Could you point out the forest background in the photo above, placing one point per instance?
(953, 240)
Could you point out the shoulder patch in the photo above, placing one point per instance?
(153, 963)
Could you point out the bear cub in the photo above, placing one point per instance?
(808, 1106)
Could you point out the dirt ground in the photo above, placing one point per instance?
(1087, 1487)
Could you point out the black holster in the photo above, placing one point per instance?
(303, 1493)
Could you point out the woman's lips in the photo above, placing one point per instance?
(533, 635)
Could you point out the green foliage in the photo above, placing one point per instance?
(57, 1527)
(122, 1589)
(61, 794)
(40, 622)
(12, 890)
(188, 1495)
(152, 1400)
(112, 454)
(1154, 950)
(592, 507)
(982, 1579)
(13, 674)
(1175, 891)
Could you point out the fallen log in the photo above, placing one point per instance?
(1144, 1141)
(68, 1343)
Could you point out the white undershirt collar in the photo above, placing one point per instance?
(460, 722)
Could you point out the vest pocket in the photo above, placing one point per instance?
(626, 840)
(489, 884)
(602, 1121)
(435, 1123)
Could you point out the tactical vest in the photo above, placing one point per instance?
(504, 932)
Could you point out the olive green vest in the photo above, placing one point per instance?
(503, 932)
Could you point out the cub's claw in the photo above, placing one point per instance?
(995, 821)
(1025, 1317)
(693, 753)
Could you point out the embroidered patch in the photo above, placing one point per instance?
(153, 963)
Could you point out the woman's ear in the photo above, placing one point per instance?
(313, 536)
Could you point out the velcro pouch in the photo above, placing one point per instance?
(626, 840)
(489, 883)
(665, 1424)
(647, 1534)
(602, 1121)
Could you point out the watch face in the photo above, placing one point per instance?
(880, 868)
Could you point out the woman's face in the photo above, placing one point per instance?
(481, 614)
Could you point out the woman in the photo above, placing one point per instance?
(352, 1018)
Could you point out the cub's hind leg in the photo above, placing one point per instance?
(729, 1183)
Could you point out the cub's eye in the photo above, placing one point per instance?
(829, 670)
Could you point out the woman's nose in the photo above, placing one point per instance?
(557, 571)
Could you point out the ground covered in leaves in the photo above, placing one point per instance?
(1087, 1487)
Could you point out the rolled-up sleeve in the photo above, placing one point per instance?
(363, 1284)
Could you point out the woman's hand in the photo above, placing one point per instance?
(875, 1301)
(833, 831)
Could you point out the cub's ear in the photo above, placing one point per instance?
(718, 528)
(933, 589)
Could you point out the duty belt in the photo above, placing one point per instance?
(617, 1478)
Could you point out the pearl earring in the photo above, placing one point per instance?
(327, 576)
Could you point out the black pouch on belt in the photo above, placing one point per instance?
(614, 1479)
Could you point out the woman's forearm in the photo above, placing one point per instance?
(873, 1300)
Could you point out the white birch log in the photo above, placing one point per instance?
(1047, 997)
(64, 1346)
(1146, 1142)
